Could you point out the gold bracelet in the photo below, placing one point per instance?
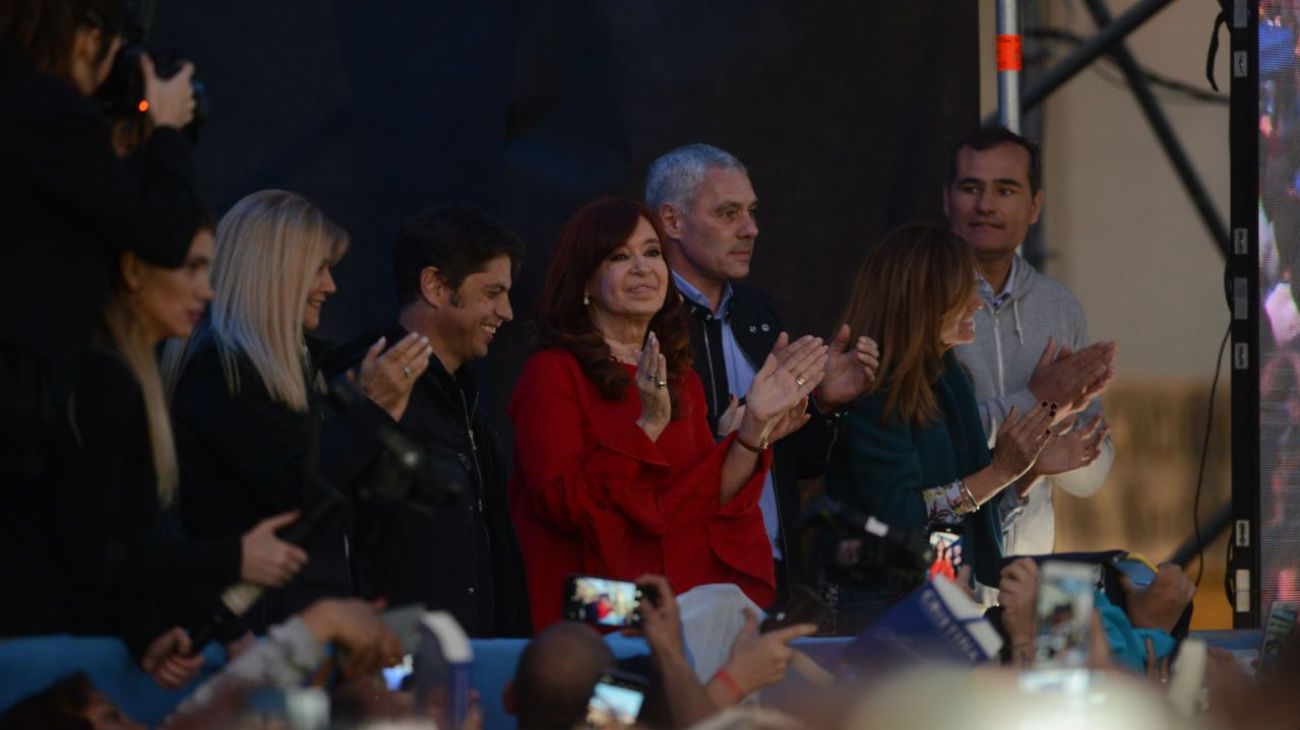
(746, 445)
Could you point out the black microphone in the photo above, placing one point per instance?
(826, 511)
(349, 401)
(238, 598)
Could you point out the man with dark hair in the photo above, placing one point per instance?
(453, 268)
(1033, 344)
(555, 676)
(708, 207)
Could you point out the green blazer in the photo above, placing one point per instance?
(880, 468)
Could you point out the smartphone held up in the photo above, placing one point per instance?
(603, 601)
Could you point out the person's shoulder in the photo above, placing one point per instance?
(551, 361)
(105, 376)
(1046, 290)
(754, 297)
(42, 98)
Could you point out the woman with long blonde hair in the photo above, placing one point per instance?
(913, 453)
(250, 436)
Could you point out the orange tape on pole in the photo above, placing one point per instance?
(1009, 53)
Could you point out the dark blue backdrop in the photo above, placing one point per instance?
(843, 111)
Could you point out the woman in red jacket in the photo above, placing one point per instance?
(617, 473)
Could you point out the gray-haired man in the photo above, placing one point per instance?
(708, 207)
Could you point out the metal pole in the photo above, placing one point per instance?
(1164, 132)
(1009, 64)
(1085, 54)
(1210, 531)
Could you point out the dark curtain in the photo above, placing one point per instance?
(842, 111)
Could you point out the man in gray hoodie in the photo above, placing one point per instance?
(1031, 340)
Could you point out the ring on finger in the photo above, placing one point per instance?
(406, 370)
(661, 383)
(800, 381)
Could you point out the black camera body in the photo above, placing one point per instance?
(860, 549)
(122, 95)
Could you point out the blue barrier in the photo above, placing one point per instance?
(29, 665)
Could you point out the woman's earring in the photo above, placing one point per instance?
(586, 300)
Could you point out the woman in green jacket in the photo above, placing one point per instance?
(913, 453)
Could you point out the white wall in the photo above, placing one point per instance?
(1119, 229)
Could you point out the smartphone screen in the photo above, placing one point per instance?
(616, 700)
(1063, 614)
(601, 601)
(394, 677)
(947, 554)
(1277, 630)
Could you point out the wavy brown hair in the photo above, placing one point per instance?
(596, 230)
(45, 30)
(913, 281)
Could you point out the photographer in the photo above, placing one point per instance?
(68, 205)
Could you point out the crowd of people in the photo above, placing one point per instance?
(169, 419)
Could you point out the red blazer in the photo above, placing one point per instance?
(592, 494)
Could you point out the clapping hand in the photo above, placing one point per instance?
(849, 372)
(730, 419)
(777, 400)
(1073, 447)
(1021, 440)
(652, 385)
(1073, 379)
(387, 378)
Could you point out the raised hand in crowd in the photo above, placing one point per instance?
(387, 377)
(1073, 379)
(266, 559)
(171, 100)
(355, 627)
(168, 660)
(849, 371)
(1017, 592)
(661, 625)
(756, 660)
(1160, 605)
(776, 403)
(652, 385)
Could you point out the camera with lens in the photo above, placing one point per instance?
(863, 550)
(122, 95)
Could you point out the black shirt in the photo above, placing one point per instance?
(461, 557)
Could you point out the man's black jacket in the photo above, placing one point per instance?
(802, 455)
(463, 557)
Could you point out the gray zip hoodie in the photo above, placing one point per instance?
(1009, 339)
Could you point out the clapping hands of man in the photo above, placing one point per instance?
(1073, 379)
(849, 370)
(846, 373)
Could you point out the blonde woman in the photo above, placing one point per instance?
(248, 431)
